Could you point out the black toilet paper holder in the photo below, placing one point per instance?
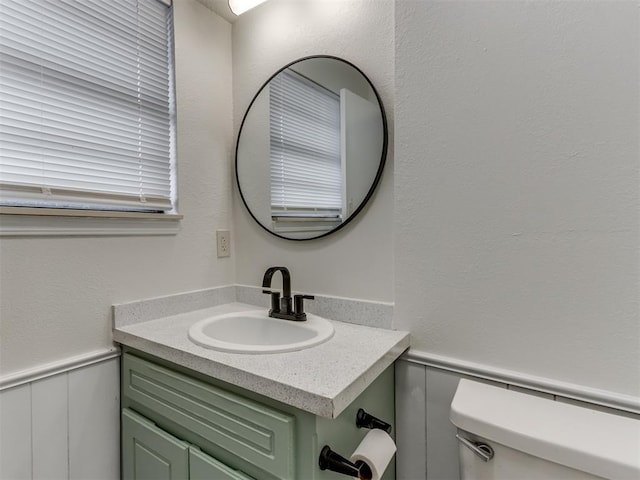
(330, 460)
(366, 420)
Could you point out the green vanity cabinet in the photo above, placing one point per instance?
(150, 453)
(204, 467)
(181, 424)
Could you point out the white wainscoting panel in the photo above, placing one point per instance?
(427, 447)
(529, 391)
(411, 462)
(94, 422)
(600, 408)
(49, 427)
(15, 433)
(63, 426)
(442, 446)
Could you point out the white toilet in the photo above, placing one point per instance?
(507, 435)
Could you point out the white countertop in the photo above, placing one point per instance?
(322, 380)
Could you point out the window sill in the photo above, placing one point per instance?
(21, 222)
(304, 224)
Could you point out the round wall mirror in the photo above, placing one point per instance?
(311, 148)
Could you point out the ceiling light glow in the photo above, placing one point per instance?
(240, 6)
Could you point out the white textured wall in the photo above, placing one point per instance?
(56, 293)
(516, 186)
(356, 261)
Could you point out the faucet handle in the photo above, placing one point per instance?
(298, 306)
(275, 301)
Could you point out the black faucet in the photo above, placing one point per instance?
(281, 307)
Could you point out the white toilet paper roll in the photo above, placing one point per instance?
(376, 449)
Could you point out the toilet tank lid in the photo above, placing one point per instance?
(596, 442)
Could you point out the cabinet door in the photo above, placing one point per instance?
(149, 453)
(204, 467)
(229, 425)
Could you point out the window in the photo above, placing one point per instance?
(305, 150)
(87, 115)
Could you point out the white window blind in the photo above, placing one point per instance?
(306, 170)
(86, 104)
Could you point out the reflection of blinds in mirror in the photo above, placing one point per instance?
(306, 171)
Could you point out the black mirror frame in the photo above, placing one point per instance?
(383, 158)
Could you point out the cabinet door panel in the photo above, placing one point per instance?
(204, 467)
(254, 433)
(149, 453)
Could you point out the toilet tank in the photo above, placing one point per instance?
(539, 438)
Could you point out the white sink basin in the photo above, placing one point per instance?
(255, 332)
